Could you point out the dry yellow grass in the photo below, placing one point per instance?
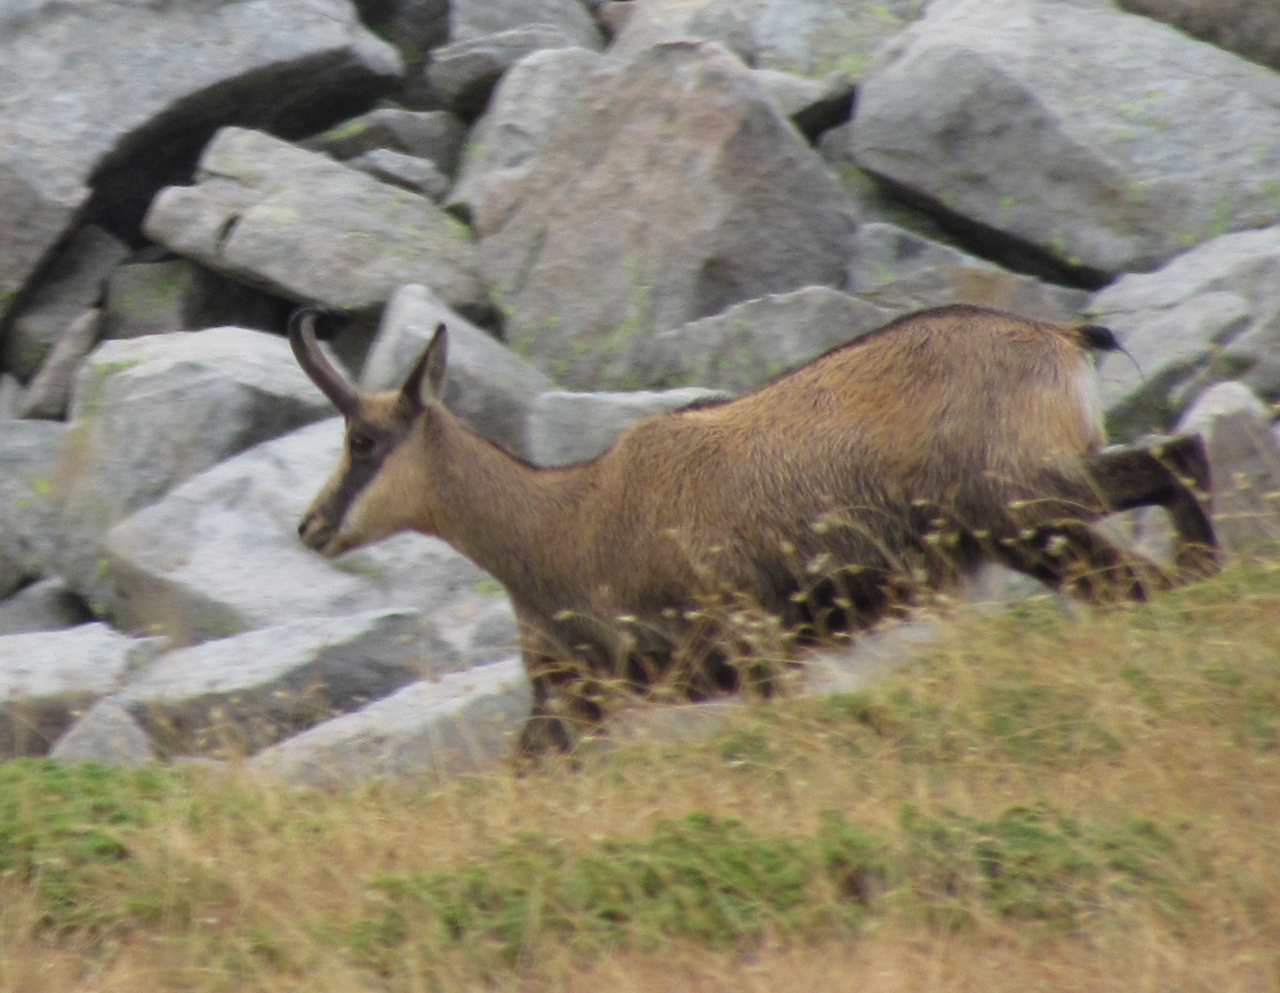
(1165, 715)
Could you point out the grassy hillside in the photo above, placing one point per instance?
(1042, 803)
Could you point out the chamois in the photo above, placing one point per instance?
(818, 503)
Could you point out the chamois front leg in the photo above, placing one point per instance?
(1173, 474)
(564, 704)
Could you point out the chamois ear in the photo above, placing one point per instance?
(426, 381)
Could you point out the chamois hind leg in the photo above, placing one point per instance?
(1072, 555)
(1173, 474)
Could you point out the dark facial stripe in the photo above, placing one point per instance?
(359, 474)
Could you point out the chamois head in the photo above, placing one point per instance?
(361, 501)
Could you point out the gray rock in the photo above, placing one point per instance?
(473, 19)
(235, 696)
(151, 412)
(10, 396)
(1243, 462)
(73, 283)
(180, 295)
(220, 554)
(45, 605)
(1211, 314)
(463, 722)
(813, 105)
(1108, 141)
(810, 37)
(30, 483)
(464, 73)
(48, 678)
(434, 135)
(49, 392)
(106, 734)
(654, 22)
(572, 427)
(871, 656)
(1245, 27)
(409, 172)
(119, 95)
(526, 105)
(817, 36)
(902, 271)
(487, 385)
(672, 190)
(756, 341)
(680, 722)
(305, 227)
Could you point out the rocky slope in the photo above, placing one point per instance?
(616, 206)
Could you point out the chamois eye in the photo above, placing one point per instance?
(360, 444)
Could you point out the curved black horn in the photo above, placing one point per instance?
(302, 336)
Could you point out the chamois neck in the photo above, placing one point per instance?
(504, 514)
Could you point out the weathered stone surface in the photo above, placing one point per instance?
(811, 37)
(409, 172)
(49, 392)
(305, 227)
(526, 105)
(487, 385)
(435, 135)
(180, 295)
(572, 427)
(1211, 314)
(235, 696)
(73, 283)
(45, 605)
(463, 722)
(10, 396)
(107, 734)
(1245, 27)
(671, 190)
(1108, 141)
(813, 105)
(472, 19)
(151, 412)
(756, 341)
(902, 271)
(48, 678)
(119, 96)
(1243, 462)
(464, 74)
(30, 453)
(220, 554)
(871, 656)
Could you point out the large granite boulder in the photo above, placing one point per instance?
(487, 385)
(220, 554)
(112, 100)
(572, 427)
(48, 678)
(1245, 27)
(72, 283)
(237, 695)
(463, 722)
(30, 478)
(151, 412)
(1210, 314)
(302, 226)
(1106, 141)
(671, 190)
(811, 37)
(525, 106)
(755, 341)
